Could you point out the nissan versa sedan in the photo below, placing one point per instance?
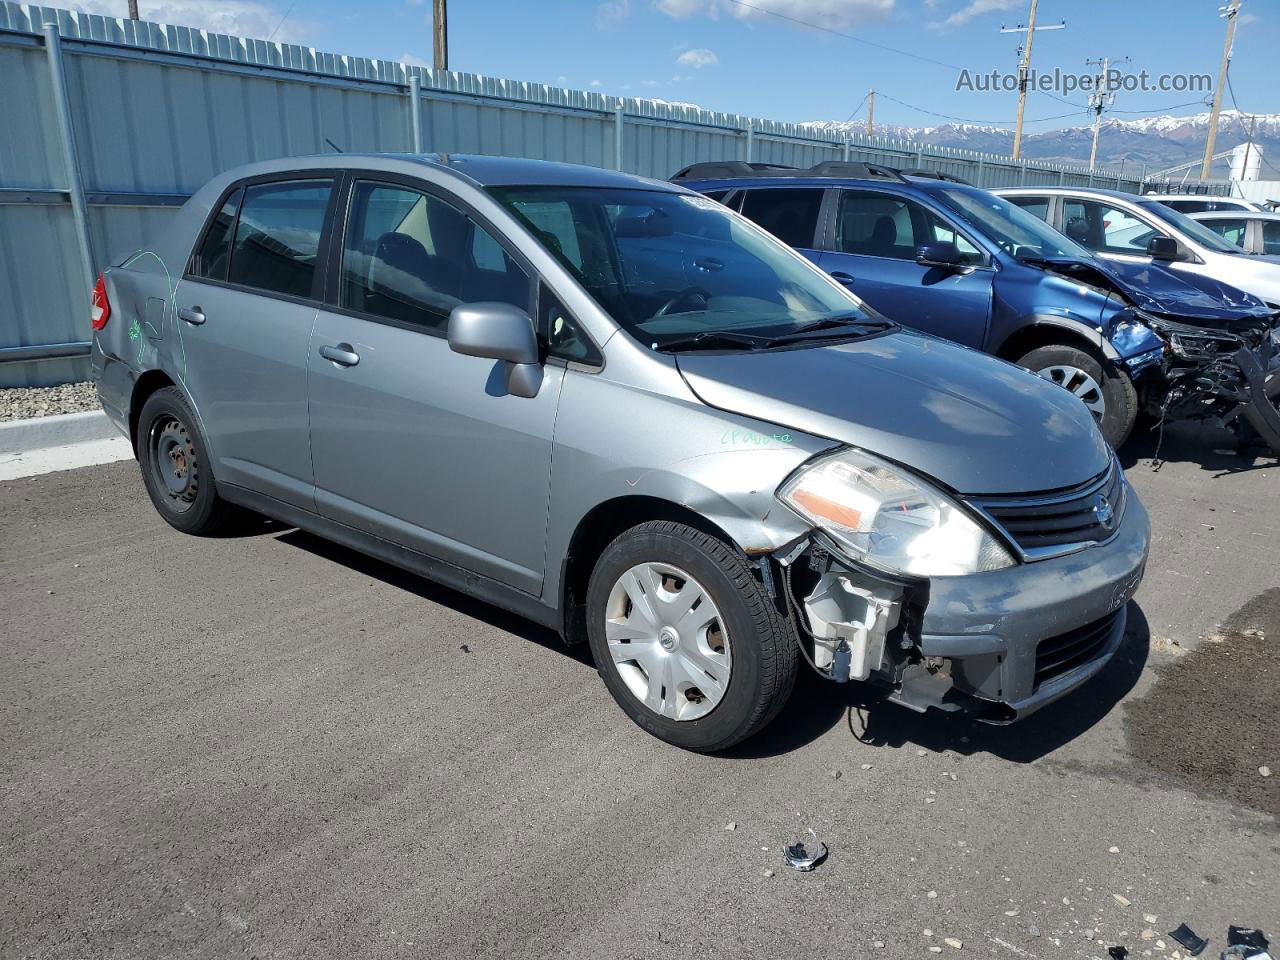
(617, 408)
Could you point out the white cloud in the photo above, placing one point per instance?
(412, 60)
(611, 14)
(976, 8)
(241, 18)
(595, 83)
(698, 58)
(834, 14)
(1246, 18)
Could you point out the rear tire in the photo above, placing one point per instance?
(702, 686)
(176, 471)
(1105, 390)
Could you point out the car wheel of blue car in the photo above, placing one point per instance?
(686, 638)
(1106, 391)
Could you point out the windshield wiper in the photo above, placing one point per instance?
(715, 340)
(829, 327)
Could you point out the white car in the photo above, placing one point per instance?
(1201, 203)
(1121, 226)
(1256, 233)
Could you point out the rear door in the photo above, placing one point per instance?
(245, 310)
(792, 214)
(412, 442)
(873, 252)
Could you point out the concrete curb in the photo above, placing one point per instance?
(19, 436)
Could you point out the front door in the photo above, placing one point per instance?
(245, 310)
(412, 442)
(873, 252)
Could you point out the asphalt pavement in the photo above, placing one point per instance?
(265, 745)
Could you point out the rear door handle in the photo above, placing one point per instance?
(193, 315)
(342, 354)
(841, 277)
(709, 264)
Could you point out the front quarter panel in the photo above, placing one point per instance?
(616, 440)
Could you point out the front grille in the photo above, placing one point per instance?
(1046, 524)
(1065, 652)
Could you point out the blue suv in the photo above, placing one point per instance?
(935, 253)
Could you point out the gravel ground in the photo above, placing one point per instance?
(21, 403)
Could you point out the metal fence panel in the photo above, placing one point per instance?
(156, 110)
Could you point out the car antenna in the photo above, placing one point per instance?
(336, 148)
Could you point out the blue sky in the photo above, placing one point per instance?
(726, 55)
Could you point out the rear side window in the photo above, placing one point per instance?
(412, 257)
(210, 260)
(277, 238)
(1036, 206)
(790, 215)
(1271, 237)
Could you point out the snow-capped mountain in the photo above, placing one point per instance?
(1158, 142)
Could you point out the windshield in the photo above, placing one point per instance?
(1196, 231)
(670, 267)
(1018, 233)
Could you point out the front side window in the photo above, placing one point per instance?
(1232, 230)
(790, 215)
(277, 238)
(1010, 227)
(411, 257)
(670, 266)
(1191, 228)
(1102, 226)
(211, 260)
(875, 225)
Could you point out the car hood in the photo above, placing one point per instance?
(1190, 297)
(971, 422)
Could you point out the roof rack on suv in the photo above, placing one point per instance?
(844, 169)
(935, 175)
(721, 169)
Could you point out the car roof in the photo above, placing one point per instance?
(1212, 197)
(1240, 214)
(484, 171)
(1075, 191)
(728, 183)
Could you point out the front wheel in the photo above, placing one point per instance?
(686, 638)
(1108, 392)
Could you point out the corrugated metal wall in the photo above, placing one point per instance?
(157, 110)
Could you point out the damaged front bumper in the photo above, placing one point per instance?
(1000, 644)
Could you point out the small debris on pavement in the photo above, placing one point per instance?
(953, 942)
(922, 753)
(1122, 900)
(1189, 939)
(933, 894)
(835, 774)
(1113, 850)
(731, 825)
(866, 766)
(1011, 913)
(465, 649)
(768, 873)
(804, 858)
(878, 944)
(935, 949)
(1150, 917)
(1246, 942)
(1033, 930)
(1117, 953)
(1265, 771)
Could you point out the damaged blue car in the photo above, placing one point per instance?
(936, 254)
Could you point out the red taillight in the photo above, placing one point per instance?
(99, 308)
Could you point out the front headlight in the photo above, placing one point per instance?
(886, 517)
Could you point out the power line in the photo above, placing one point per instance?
(947, 116)
(1232, 90)
(282, 20)
(1176, 106)
(855, 110)
(847, 36)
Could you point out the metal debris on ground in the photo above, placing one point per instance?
(1189, 939)
(804, 857)
(1246, 943)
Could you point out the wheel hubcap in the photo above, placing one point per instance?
(667, 641)
(173, 460)
(1080, 383)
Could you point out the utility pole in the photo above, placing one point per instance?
(1024, 69)
(1230, 13)
(1101, 98)
(871, 109)
(440, 31)
(133, 9)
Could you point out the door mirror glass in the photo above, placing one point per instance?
(939, 253)
(1162, 248)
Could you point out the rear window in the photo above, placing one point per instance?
(790, 215)
(277, 238)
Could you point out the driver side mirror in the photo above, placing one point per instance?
(1162, 248)
(499, 331)
(940, 253)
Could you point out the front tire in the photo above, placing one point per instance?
(176, 471)
(1105, 390)
(686, 638)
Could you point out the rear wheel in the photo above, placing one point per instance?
(685, 637)
(1107, 392)
(175, 465)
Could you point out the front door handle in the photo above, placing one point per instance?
(193, 315)
(841, 277)
(342, 354)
